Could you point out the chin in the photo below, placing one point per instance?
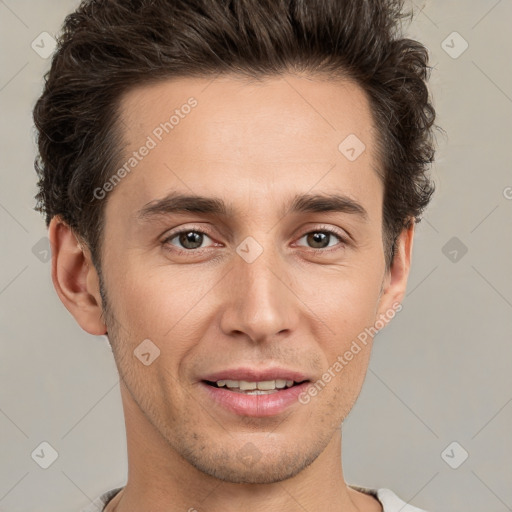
(268, 469)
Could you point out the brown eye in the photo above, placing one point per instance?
(188, 239)
(318, 240)
(191, 240)
(321, 239)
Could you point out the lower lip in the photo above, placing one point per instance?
(255, 405)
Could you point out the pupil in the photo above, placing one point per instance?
(318, 240)
(191, 240)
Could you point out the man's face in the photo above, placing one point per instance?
(290, 299)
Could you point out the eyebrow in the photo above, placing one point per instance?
(176, 203)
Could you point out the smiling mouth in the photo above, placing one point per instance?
(254, 388)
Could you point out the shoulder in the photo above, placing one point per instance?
(388, 499)
(99, 503)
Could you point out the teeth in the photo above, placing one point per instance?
(247, 386)
(255, 391)
(265, 385)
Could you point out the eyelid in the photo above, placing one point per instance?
(176, 231)
(169, 235)
(342, 236)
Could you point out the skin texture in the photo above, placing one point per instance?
(253, 145)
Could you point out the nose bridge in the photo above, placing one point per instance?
(260, 303)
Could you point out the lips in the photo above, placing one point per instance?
(251, 400)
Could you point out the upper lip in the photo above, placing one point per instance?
(256, 375)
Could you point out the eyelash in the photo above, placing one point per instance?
(322, 229)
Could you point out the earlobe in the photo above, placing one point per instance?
(75, 278)
(395, 282)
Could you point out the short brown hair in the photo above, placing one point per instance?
(109, 46)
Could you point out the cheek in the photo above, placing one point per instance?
(159, 304)
(347, 305)
(168, 304)
(345, 299)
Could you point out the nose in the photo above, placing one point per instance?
(258, 300)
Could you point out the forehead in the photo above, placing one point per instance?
(244, 137)
(278, 112)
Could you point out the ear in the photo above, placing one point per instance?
(75, 278)
(395, 280)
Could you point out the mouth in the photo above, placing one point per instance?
(265, 387)
(244, 392)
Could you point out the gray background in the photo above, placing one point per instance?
(439, 373)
